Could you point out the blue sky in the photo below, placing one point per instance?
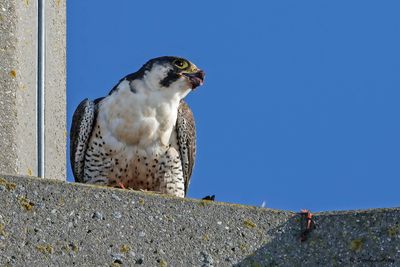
(301, 103)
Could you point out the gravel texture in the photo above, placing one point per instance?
(51, 223)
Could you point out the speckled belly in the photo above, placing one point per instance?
(160, 173)
(151, 167)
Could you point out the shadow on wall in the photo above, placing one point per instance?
(340, 239)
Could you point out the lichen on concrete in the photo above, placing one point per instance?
(125, 248)
(45, 248)
(6, 184)
(356, 244)
(25, 203)
(249, 224)
(3, 233)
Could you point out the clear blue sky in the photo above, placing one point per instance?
(301, 104)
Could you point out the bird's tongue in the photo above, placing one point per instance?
(196, 79)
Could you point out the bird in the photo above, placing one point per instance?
(141, 135)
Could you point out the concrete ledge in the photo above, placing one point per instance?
(46, 222)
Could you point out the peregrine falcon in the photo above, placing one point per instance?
(142, 134)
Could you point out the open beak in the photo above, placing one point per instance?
(195, 78)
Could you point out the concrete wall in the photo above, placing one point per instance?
(18, 87)
(18, 74)
(50, 223)
(55, 86)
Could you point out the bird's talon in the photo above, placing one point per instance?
(121, 185)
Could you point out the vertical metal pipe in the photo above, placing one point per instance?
(40, 89)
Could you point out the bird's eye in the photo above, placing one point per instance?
(181, 63)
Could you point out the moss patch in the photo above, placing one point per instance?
(162, 263)
(124, 249)
(74, 247)
(2, 231)
(8, 185)
(249, 224)
(205, 237)
(243, 247)
(206, 202)
(255, 264)
(26, 203)
(13, 73)
(394, 231)
(45, 249)
(356, 244)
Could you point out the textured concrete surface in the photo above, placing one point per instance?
(18, 60)
(50, 223)
(18, 87)
(55, 95)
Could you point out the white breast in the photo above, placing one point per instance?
(144, 119)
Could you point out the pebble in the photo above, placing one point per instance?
(114, 196)
(97, 215)
(207, 260)
(117, 215)
(117, 256)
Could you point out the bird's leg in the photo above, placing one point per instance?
(309, 224)
(120, 184)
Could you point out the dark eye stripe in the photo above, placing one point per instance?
(171, 77)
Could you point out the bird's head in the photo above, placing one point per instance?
(171, 73)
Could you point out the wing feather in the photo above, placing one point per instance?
(83, 122)
(186, 133)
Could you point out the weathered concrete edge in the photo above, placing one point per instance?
(181, 231)
(34, 179)
(59, 182)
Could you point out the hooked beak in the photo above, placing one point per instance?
(195, 78)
